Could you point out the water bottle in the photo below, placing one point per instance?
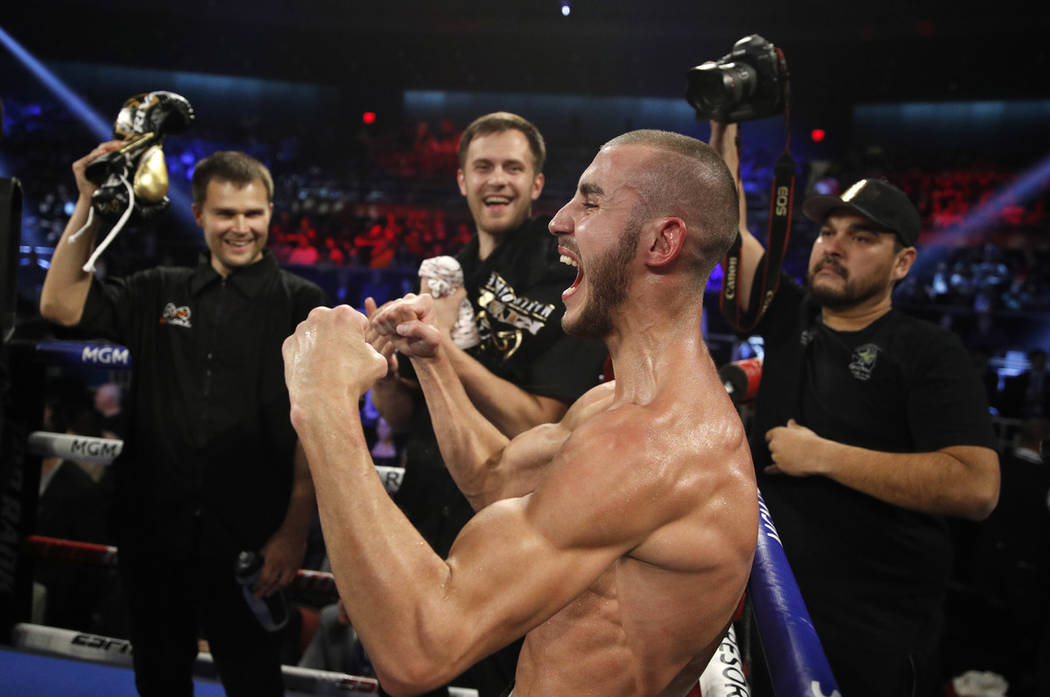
(272, 610)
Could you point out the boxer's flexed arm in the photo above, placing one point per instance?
(66, 285)
(724, 137)
(519, 561)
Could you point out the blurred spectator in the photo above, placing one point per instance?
(1028, 395)
(988, 376)
(385, 452)
(1010, 567)
(108, 403)
(333, 254)
(303, 253)
(986, 335)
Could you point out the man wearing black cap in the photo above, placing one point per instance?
(870, 427)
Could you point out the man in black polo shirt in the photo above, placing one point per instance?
(525, 370)
(213, 466)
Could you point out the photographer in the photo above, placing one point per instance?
(870, 427)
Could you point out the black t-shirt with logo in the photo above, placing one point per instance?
(871, 573)
(210, 436)
(516, 294)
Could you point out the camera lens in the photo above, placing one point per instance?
(715, 88)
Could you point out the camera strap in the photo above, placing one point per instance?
(767, 276)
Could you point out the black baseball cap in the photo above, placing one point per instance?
(877, 200)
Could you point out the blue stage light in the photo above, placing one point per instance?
(102, 129)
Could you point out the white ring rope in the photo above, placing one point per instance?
(71, 447)
(68, 643)
(105, 450)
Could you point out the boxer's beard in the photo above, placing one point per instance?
(608, 279)
(854, 291)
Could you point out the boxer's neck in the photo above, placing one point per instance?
(651, 354)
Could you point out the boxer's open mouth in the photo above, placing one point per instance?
(570, 258)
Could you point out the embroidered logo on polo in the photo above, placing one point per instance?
(499, 302)
(179, 316)
(862, 363)
(807, 336)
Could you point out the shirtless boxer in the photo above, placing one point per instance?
(619, 540)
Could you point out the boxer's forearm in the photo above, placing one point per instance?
(508, 407)
(301, 502)
(470, 444)
(384, 569)
(66, 285)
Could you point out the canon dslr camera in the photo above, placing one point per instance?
(749, 83)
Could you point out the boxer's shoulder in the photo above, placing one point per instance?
(590, 403)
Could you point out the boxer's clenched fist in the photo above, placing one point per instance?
(409, 325)
(328, 356)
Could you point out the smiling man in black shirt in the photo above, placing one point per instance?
(213, 466)
(524, 370)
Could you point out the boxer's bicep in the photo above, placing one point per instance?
(509, 574)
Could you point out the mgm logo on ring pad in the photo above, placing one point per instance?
(500, 303)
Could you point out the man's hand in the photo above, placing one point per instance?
(446, 310)
(380, 342)
(86, 187)
(282, 555)
(795, 450)
(328, 356)
(409, 325)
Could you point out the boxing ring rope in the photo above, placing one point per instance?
(68, 643)
(111, 356)
(723, 677)
(100, 451)
(53, 548)
(794, 657)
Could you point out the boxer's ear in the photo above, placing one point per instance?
(666, 239)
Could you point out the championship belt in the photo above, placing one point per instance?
(134, 177)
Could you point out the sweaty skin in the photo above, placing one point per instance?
(618, 541)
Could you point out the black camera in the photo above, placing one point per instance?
(749, 83)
